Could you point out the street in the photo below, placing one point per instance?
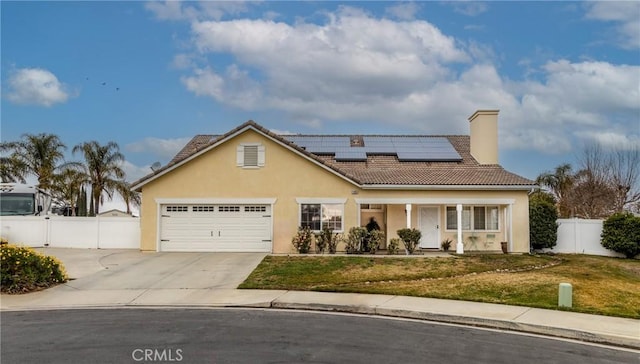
(269, 336)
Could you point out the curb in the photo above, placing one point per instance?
(590, 337)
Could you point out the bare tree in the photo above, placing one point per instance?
(625, 177)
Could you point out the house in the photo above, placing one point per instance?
(250, 189)
(114, 213)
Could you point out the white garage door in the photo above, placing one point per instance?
(215, 228)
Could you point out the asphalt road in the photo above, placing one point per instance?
(268, 336)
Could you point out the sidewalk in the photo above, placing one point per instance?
(112, 279)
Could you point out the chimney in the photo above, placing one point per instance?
(484, 136)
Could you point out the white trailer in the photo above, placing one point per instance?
(24, 200)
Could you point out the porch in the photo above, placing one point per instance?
(485, 222)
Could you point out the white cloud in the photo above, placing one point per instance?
(282, 132)
(403, 11)
(469, 8)
(36, 86)
(611, 139)
(133, 172)
(406, 73)
(179, 10)
(162, 148)
(625, 13)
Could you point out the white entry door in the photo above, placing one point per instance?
(430, 227)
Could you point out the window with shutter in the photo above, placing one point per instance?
(250, 155)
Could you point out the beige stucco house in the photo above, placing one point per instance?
(249, 190)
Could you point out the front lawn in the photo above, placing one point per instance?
(606, 286)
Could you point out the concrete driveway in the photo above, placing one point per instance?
(132, 269)
(131, 277)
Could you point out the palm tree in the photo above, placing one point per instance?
(559, 183)
(68, 186)
(130, 196)
(38, 155)
(103, 166)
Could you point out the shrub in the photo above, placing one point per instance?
(393, 247)
(333, 243)
(24, 270)
(621, 233)
(446, 244)
(326, 239)
(355, 240)
(410, 238)
(374, 239)
(543, 228)
(302, 240)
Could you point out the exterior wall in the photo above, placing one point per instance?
(287, 177)
(284, 176)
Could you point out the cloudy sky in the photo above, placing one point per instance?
(150, 75)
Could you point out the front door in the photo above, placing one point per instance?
(430, 227)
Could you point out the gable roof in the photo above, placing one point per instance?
(383, 170)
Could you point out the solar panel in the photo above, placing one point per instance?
(351, 156)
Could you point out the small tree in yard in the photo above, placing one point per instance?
(543, 228)
(410, 238)
(621, 233)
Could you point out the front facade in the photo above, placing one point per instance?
(250, 190)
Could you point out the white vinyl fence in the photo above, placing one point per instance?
(72, 232)
(581, 236)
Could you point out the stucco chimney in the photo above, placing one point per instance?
(484, 136)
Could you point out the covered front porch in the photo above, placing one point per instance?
(485, 222)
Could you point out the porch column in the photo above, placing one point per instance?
(510, 226)
(460, 245)
(407, 208)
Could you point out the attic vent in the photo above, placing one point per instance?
(251, 156)
(357, 141)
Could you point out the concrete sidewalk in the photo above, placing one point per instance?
(96, 287)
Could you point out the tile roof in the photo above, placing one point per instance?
(381, 169)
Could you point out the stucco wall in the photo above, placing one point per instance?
(285, 177)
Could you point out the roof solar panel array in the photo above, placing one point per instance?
(406, 148)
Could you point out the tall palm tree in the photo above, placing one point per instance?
(103, 166)
(130, 196)
(559, 183)
(35, 154)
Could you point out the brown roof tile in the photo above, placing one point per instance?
(383, 169)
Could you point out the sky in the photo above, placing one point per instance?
(151, 75)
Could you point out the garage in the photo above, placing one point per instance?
(215, 228)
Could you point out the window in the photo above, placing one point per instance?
(250, 155)
(371, 207)
(473, 218)
(255, 209)
(177, 208)
(203, 208)
(229, 209)
(319, 216)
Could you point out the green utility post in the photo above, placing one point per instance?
(565, 293)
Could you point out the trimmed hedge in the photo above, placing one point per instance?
(24, 270)
(621, 233)
(543, 228)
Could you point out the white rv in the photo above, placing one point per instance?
(21, 199)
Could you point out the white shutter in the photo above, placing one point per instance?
(261, 156)
(240, 156)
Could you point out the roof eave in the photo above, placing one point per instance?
(448, 187)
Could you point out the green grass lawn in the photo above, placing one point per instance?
(606, 286)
